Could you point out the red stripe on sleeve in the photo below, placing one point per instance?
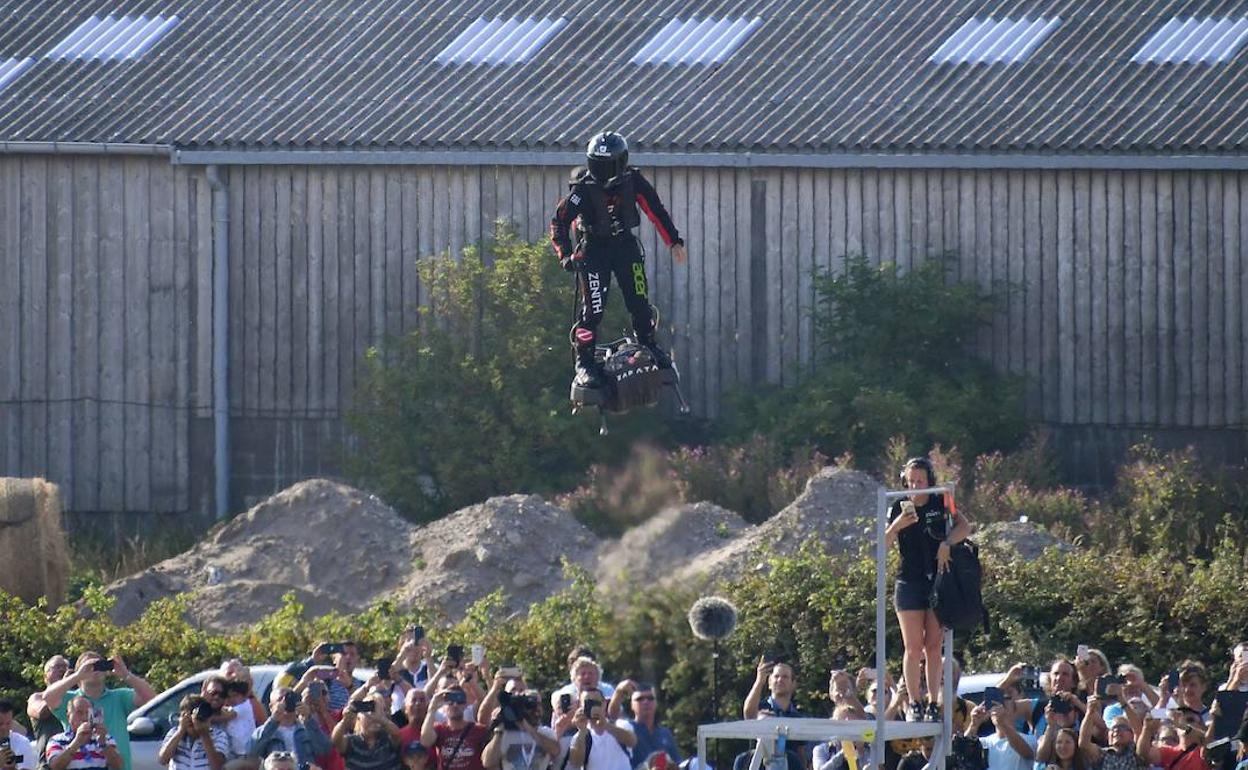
(663, 233)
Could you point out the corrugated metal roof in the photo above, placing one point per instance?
(695, 41)
(812, 76)
(10, 69)
(994, 41)
(499, 41)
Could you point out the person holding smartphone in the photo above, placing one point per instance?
(600, 744)
(16, 751)
(1120, 754)
(290, 727)
(459, 741)
(89, 677)
(1008, 749)
(87, 744)
(365, 737)
(920, 526)
(195, 743)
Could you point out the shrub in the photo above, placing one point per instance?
(755, 479)
(474, 402)
(894, 356)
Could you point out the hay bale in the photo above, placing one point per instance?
(31, 537)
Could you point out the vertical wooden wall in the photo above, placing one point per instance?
(1130, 312)
(98, 264)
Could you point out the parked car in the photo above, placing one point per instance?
(149, 723)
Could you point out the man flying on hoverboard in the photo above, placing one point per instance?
(606, 199)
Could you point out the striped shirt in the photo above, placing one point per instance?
(190, 754)
(383, 755)
(89, 756)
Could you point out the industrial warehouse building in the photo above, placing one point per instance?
(211, 209)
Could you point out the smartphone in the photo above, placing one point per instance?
(478, 654)
(1081, 652)
(512, 672)
(1102, 686)
(326, 673)
(383, 667)
(103, 664)
(364, 706)
(290, 701)
(417, 631)
(1160, 713)
(565, 703)
(993, 697)
(334, 648)
(1172, 679)
(316, 690)
(456, 653)
(203, 712)
(456, 696)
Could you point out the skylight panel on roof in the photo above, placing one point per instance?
(993, 41)
(500, 41)
(10, 69)
(1204, 41)
(705, 41)
(125, 37)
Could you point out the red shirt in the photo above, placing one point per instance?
(1191, 761)
(454, 754)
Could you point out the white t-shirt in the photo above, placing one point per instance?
(606, 753)
(521, 752)
(21, 747)
(288, 736)
(1002, 756)
(240, 728)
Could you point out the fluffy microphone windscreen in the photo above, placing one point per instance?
(712, 617)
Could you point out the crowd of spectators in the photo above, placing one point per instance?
(456, 712)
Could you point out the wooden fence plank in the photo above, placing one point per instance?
(425, 222)
(266, 310)
(1213, 317)
(283, 290)
(314, 222)
(1132, 300)
(775, 273)
(349, 290)
(299, 288)
(838, 225)
(886, 215)
(721, 289)
(998, 265)
(744, 321)
(1077, 288)
(375, 215)
(1233, 267)
(1090, 254)
(112, 337)
(60, 341)
(911, 200)
(409, 250)
(360, 265)
(1014, 279)
(393, 218)
(695, 305)
(1032, 277)
(138, 336)
(805, 258)
(454, 239)
(979, 268)
(1197, 300)
(1150, 302)
(1183, 348)
(185, 180)
(896, 216)
(1167, 295)
(871, 215)
(10, 315)
(34, 281)
(855, 242)
(165, 329)
(950, 209)
(933, 222)
(822, 243)
(1243, 291)
(1113, 297)
(331, 290)
(1051, 357)
(968, 225)
(86, 316)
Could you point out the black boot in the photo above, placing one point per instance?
(588, 373)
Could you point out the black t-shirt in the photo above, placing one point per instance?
(917, 544)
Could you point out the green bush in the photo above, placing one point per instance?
(894, 355)
(475, 401)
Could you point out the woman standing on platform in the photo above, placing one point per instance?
(919, 527)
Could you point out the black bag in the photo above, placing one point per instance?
(634, 379)
(967, 754)
(957, 594)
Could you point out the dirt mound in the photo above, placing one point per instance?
(831, 511)
(516, 543)
(336, 547)
(1025, 540)
(675, 536)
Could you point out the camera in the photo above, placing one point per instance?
(1060, 706)
(456, 653)
(204, 712)
(383, 667)
(363, 706)
(588, 709)
(1103, 683)
(456, 696)
(334, 648)
(565, 703)
(515, 708)
(1029, 681)
(103, 665)
(290, 701)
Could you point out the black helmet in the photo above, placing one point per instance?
(606, 156)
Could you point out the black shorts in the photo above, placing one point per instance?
(912, 595)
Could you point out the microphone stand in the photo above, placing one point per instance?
(715, 716)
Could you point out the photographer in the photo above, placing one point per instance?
(1120, 754)
(599, 744)
(115, 703)
(86, 745)
(459, 741)
(195, 744)
(651, 736)
(518, 739)
(1059, 716)
(16, 751)
(366, 738)
(585, 673)
(44, 721)
(1008, 749)
(288, 728)
(1060, 687)
(1188, 755)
